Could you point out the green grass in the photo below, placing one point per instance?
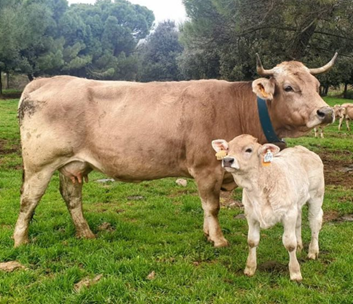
(157, 226)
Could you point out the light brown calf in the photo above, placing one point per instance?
(276, 185)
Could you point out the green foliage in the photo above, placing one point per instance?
(48, 37)
(222, 36)
(158, 54)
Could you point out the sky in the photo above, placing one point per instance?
(162, 9)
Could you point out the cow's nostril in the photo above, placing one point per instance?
(321, 113)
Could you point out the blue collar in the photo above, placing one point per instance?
(266, 122)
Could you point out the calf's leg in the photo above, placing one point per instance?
(315, 222)
(253, 242)
(290, 243)
(33, 188)
(209, 191)
(72, 195)
(298, 232)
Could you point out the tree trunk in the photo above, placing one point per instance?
(0, 84)
(326, 90)
(345, 90)
(7, 80)
(30, 77)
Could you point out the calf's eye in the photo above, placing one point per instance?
(248, 150)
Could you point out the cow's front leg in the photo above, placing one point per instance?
(209, 191)
(253, 242)
(290, 243)
(72, 195)
(347, 123)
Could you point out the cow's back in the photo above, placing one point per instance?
(131, 131)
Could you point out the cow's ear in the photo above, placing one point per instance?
(264, 88)
(268, 147)
(219, 145)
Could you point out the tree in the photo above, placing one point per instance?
(224, 35)
(158, 54)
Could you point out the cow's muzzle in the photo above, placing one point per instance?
(326, 115)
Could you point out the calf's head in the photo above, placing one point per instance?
(243, 153)
(292, 96)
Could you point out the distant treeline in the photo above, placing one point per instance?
(118, 40)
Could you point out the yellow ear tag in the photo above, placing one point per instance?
(221, 154)
(268, 157)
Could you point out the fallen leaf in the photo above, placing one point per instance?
(11, 266)
(152, 275)
(135, 197)
(181, 182)
(105, 227)
(87, 282)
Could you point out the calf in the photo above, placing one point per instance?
(276, 185)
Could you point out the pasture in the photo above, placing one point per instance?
(150, 246)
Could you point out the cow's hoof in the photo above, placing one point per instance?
(221, 243)
(249, 271)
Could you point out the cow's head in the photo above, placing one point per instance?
(244, 153)
(292, 95)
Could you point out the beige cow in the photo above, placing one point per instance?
(276, 185)
(347, 114)
(142, 131)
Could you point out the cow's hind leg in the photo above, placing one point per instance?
(33, 188)
(209, 191)
(72, 195)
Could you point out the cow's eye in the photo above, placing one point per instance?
(248, 150)
(288, 89)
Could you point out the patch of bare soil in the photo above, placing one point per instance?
(338, 170)
(4, 150)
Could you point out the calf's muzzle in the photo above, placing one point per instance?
(326, 114)
(227, 162)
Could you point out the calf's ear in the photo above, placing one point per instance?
(219, 145)
(264, 148)
(264, 88)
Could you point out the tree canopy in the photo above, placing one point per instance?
(115, 39)
(49, 37)
(222, 36)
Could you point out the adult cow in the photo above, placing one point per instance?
(144, 131)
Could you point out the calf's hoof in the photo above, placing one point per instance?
(296, 277)
(313, 255)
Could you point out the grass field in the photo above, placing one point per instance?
(157, 227)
